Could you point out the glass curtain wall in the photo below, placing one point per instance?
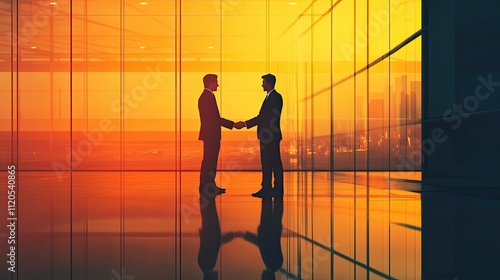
(107, 91)
(130, 73)
(353, 74)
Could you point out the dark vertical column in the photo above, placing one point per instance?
(461, 100)
(461, 112)
(439, 87)
(477, 71)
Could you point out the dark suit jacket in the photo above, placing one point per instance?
(268, 119)
(210, 118)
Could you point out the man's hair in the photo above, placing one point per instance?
(270, 79)
(208, 79)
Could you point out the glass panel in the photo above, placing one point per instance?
(7, 75)
(43, 87)
(378, 162)
(320, 93)
(321, 108)
(243, 54)
(151, 230)
(343, 87)
(405, 19)
(378, 139)
(149, 86)
(96, 224)
(43, 227)
(360, 183)
(405, 113)
(405, 232)
(199, 53)
(96, 87)
(378, 28)
(344, 207)
(285, 51)
(405, 122)
(305, 83)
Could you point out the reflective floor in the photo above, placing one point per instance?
(148, 225)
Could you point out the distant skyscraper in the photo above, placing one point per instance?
(393, 107)
(403, 101)
(360, 115)
(378, 146)
(412, 107)
(401, 90)
(376, 125)
(415, 100)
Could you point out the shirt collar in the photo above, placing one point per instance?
(209, 90)
(269, 92)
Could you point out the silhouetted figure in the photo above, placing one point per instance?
(269, 135)
(210, 238)
(269, 236)
(210, 133)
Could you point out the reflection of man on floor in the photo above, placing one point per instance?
(210, 238)
(210, 133)
(269, 236)
(269, 134)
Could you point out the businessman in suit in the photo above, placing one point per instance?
(269, 135)
(210, 134)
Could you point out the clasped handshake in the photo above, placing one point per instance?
(239, 125)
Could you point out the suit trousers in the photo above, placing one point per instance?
(209, 163)
(270, 160)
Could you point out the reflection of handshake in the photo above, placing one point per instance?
(239, 125)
